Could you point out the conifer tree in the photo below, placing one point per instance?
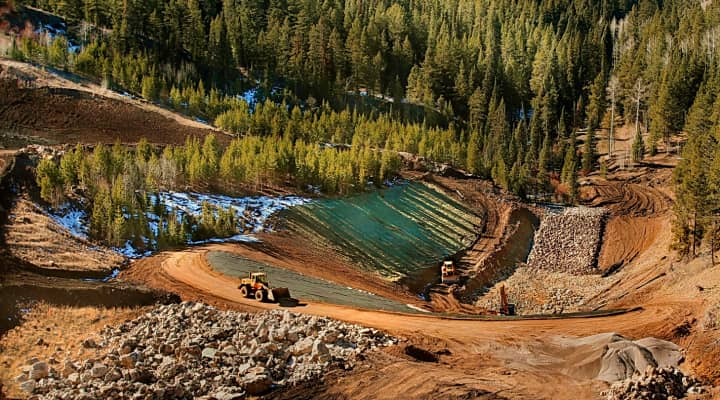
(638, 147)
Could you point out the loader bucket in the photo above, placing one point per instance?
(282, 296)
(280, 293)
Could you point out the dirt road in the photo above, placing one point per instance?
(192, 267)
(515, 356)
(303, 287)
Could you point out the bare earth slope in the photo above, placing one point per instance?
(61, 110)
(34, 237)
(637, 213)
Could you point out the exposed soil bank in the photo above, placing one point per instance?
(302, 287)
(26, 288)
(83, 114)
(517, 243)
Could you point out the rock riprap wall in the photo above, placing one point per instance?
(569, 241)
(192, 350)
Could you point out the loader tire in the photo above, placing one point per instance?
(260, 295)
(244, 291)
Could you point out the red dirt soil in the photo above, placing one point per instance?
(482, 354)
(68, 116)
(64, 111)
(508, 357)
(637, 213)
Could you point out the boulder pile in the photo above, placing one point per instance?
(654, 383)
(538, 291)
(569, 241)
(191, 350)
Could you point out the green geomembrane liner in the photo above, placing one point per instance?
(396, 231)
(304, 287)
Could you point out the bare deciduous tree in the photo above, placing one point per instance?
(612, 92)
(638, 94)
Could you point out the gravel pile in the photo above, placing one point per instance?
(569, 241)
(537, 291)
(192, 350)
(655, 383)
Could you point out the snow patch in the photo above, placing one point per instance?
(113, 274)
(73, 220)
(250, 96)
(236, 238)
(416, 308)
(254, 211)
(252, 214)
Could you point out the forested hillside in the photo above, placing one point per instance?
(506, 84)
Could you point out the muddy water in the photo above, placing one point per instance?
(303, 287)
(395, 232)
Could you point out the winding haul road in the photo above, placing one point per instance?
(192, 269)
(518, 357)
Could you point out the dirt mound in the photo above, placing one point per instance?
(611, 357)
(64, 115)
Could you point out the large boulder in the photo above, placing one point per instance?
(98, 370)
(39, 370)
(320, 352)
(303, 346)
(256, 381)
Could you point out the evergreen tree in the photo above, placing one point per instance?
(638, 147)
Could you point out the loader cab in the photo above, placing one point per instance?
(448, 273)
(258, 278)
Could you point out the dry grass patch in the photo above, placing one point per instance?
(34, 237)
(54, 332)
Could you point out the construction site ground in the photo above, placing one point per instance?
(500, 358)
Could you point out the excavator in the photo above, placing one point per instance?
(257, 285)
(505, 307)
